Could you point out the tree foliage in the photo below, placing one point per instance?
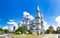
(21, 29)
(1, 29)
(47, 31)
(58, 31)
(5, 31)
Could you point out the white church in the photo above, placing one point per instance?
(36, 25)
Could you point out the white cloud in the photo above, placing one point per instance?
(46, 26)
(21, 22)
(5, 27)
(25, 13)
(10, 28)
(11, 20)
(12, 23)
(55, 27)
(30, 16)
(57, 19)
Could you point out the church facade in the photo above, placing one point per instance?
(36, 25)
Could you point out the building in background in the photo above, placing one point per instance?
(36, 25)
(51, 29)
(58, 28)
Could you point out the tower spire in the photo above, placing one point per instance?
(38, 12)
(38, 8)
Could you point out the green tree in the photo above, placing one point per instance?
(54, 31)
(5, 31)
(47, 31)
(1, 29)
(21, 29)
(50, 29)
(58, 31)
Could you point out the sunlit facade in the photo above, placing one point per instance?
(36, 25)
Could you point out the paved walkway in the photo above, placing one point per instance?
(5, 36)
(39, 36)
(50, 36)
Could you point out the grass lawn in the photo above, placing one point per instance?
(27, 35)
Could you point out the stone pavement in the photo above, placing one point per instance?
(5, 36)
(50, 36)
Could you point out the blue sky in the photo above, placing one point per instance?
(13, 9)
